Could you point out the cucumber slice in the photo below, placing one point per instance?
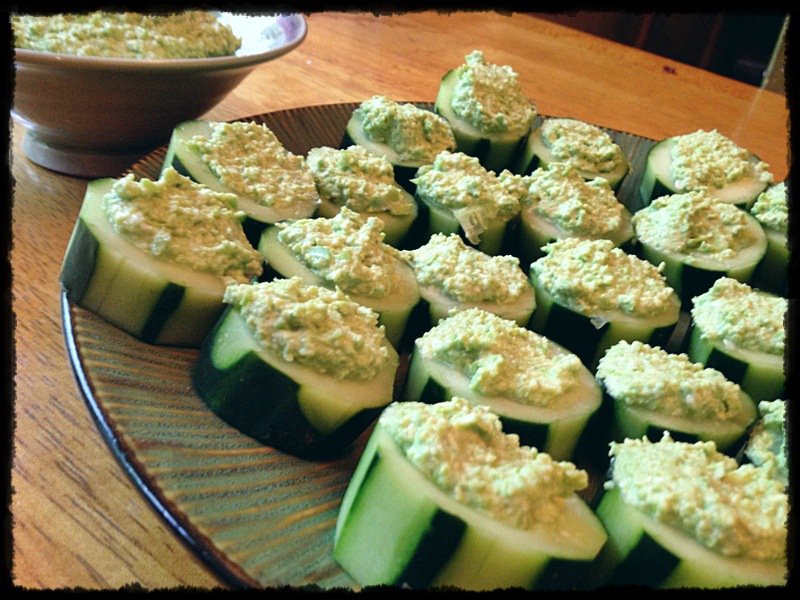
(759, 374)
(153, 300)
(495, 151)
(189, 163)
(589, 336)
(657, 179)
(395, 527)
(554, 430)
(642, 551)
(536, 154)
(285, 405)
(692, 274)
(393, 310)
(395, 227)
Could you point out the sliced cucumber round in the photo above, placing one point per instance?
(536, 154)
(290, 407)
(188, 162)
(393, 310)
(153, 300)
(552, 429)
(643, 551)
(395, 227)
(495, 151)
(657, 179)
(395, 527)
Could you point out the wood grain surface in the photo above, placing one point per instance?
(78, 521)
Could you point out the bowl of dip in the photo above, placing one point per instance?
(97, 91)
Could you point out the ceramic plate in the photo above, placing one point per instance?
(258, 517)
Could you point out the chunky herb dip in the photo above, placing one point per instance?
(771, 208)
(189, 34)
(767, 446)
(581, 145)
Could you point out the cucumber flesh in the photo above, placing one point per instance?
(152, 299)
(396, 527)
(285, 405)
(643, 551)
(393, 310)
(495, 151)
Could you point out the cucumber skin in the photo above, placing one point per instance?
(261, 403)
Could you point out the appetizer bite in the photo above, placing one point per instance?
(591, 294)
(699, 239)
(405, 134)
(682, 515)
(346, 252)
(443, 497)
(153, 257)
(296, 366)
(458, 195)
(771, 210)
(561, 203)
(704, 160)
(589, 150)
(247, 159)
(652, 391)
(363, 182)
(452, 275)
(767, 446)
(739, 330)
(540, 391)
(487, 110)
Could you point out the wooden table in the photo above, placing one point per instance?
(78, 521)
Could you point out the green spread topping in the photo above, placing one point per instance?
(767, 447)
(462, 450)
(190, 34)
(475, 196)
(490, 98)
(500, 358)
(466, 274)
(694, 223)
(182, 222)
(358, 179)
(248, 158)
(415, 134)
(649, 377)
(581, 145)
(771, 208)
(312, 326)
(734, 510)
(733, 313)
(561, 196)
(593, 276)
(346, 251)
(708, 159)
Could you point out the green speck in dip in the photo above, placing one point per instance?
(649, 377)
(346, 251)
(358, 179)
(461, 448)
(489, 97)
(694, 223)
(416, 135)
(737, 511)
(180, 221)
(500, 358)
(248, 158)
(732, 312)
(476, 196)
(771, 208)
(563, 197)
(767, 446)
(189, 34)
(313, 326)
(581, 145)
(708, 159)
(466, 274)
(594, 277)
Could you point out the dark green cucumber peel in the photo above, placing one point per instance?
(267, 413)
(82, 251)
(167, 303)
(574, 332)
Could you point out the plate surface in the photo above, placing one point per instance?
(258, 517)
